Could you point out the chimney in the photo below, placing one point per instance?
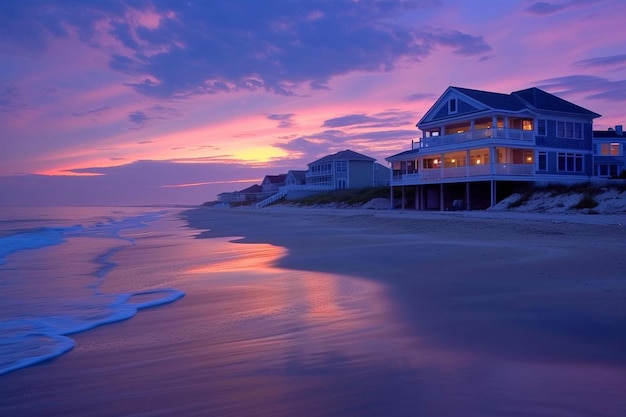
(619, 129)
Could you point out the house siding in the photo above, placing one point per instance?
(361, 174)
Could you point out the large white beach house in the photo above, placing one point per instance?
(477, 146)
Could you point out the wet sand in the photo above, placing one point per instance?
(357, 313)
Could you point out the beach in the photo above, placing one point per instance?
(321, 312)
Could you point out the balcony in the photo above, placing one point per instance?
(525, 136)
(439, 174)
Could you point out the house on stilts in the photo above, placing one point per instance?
(478, 147)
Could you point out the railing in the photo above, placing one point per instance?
(436, 174)
(499, 133)
(284, 190)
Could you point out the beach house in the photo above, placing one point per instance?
(347, 169)
(609, 153)
(477, 147)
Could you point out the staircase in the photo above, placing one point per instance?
(282, 192)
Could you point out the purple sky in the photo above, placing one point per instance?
(148, 102)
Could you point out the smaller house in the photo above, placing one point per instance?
(249, 194)
(346, 169)
(295, 177)
(609, 152)
(271, 183)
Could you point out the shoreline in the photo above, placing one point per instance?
(346, 312)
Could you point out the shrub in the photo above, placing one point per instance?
(586, 202)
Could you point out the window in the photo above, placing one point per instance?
(452, 106)
(341, 166)
(541, 127)
(609, 149)
(527, 124)
(569, 130)
(542, 161)
(578, 131)
(570, 162)
(430, 163)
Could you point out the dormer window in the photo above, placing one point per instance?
(452, 106)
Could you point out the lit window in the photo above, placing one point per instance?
(614, 149)
(527, 125)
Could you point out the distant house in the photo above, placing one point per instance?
(271, 183)
(295, 178)
(346, 169)
(609, 152)
(249, 194)
(476, 143)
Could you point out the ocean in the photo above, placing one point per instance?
(54, 264)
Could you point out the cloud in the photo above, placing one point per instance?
(461, 43)
(391, 118)
(352, 119)
(545, 8)
(420, 97)
(140, 118)
(10, 100)
(285, 120)
(604, 61)
(197, 47)
(593, 87)
(92, 112)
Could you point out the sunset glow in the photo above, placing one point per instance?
(268, 91)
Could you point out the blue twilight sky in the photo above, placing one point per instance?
(168, 101)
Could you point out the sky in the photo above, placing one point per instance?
(173, 102)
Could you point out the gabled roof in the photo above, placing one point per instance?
(531, 99)
(297, 174)
(497, 101)
(256, 188)
(540, 100)
(346, 155)
(274, 179)
(402, 154)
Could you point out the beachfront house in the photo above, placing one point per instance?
(271, 183)
(249, 194)
(347, 169)
(295, 178)
(609, 153)
(477, 147)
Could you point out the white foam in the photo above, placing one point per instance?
(28, 340)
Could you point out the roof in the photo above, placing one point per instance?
(495, 100)
(299, 175)
(256, 188)
(531, 99)
(346, 155)
(402, 154)
(540, 100)
(608, 134)
(275, 179)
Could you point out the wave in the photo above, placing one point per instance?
(25, 341)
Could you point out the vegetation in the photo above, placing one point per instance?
(586, 202)
(588, 190)
(346, 196)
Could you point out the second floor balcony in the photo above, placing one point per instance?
(525, 136)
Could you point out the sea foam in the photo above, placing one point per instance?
(33, 337)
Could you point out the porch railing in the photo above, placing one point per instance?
(436, 174)
(498, 133)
